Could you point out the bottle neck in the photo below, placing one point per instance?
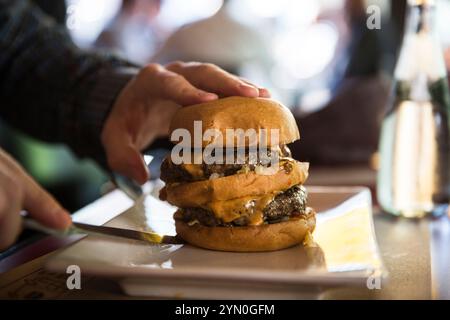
(421, 19)
(421, 54)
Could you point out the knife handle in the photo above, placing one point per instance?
(32, 224)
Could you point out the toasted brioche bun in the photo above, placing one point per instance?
(238, 113)
(195, 194)
(266, 237)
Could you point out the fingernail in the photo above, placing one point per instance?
(68, 219)
(142, 173)
(208, 95)
(249, 90)
(62, 218)
(263, 92)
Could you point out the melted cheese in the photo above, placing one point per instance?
(251, 206)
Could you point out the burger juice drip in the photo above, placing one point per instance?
(413, 178)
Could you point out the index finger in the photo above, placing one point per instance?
(172, 86)
(42, 206)
(214, 79)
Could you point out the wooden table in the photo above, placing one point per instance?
(416, 254)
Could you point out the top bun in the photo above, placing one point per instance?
(238, 113)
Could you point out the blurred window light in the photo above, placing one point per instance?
(305, 52)
(175, 13)
(300, 13)
(313, 100)
(268, 8)
(442, 15)
(86, 18)
(283, 79)
(288, 12)
(331, 4)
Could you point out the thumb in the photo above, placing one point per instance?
(124, 157)
(129, 162)
(10, 220)
(42, 206)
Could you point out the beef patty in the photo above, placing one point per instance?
(171, 172)
(292, 202)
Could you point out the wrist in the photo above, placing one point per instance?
(108, 85)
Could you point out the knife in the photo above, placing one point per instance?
(88, 229)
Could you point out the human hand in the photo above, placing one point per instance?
(144, 108)
(18, 191)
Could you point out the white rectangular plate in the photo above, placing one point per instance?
(347, 254)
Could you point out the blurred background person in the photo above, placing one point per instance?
(223, 40)
(133, 33)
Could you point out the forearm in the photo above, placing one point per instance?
(48, 87)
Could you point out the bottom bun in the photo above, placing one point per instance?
(266, 237)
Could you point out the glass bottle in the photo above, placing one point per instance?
(413, 178)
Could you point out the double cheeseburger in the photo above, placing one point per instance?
(244, 206)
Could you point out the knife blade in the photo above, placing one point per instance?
(150, 237)
(82, 228)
